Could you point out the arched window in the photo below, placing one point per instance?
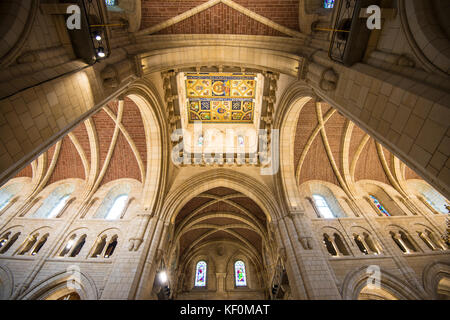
(7, 193)
(322, 206)
(340, 245)
(39, 245)
(360, 243)
(379, 205)
(74, 246)
(79, 246)
(4, 239)
(239, 273)
(104, 249)
(329, 245)
(58, 207)
(200, 274)
(117, 208)
(111, 247)
(115, 203)
(28, 244)
(55, 202)
(5, 245)
(407, 241)
(99, 246)
(403, 242)
(436, 201)
(427, 241)
(68, 245)
(372, 244)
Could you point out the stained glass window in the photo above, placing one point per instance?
(200, 274)
(328, 4)
(111, 2)
(323, 207)
(379, 206)
(239, 271)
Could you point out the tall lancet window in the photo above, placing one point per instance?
(239, 273)
(379, 206)
(200, 274)
(117, 208)
(55, 203)
(58, 207)
(322, 206)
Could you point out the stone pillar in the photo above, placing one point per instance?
(318, 278)
(145, 282)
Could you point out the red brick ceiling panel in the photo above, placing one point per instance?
(187, 238)
(220, 235)
(220, 19)
(251, 206)
(316, 165)
(104, 126)
(190, 206)
(357, 136)
(114, 106)
(306, 123)
(251, 236)
(220, 207)
(221, 191)
(69, 164)
(369, 165)
(221, 221)
(335, 131)
(284, 12)
(25, 172)
(325, 107)
(157, 11)
(132, 121)
(81, 134)
(50, 152)
(123, 163)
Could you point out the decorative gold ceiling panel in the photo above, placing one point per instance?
(220, 97)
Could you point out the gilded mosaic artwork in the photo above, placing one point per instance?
(220, 97)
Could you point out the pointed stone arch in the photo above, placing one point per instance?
(356, 280)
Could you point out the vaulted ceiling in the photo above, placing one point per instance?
(338, 147)
(108, 146)
(220, 214)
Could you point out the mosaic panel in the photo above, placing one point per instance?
(220, 97)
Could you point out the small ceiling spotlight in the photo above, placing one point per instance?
(97, 35)
(101, 52)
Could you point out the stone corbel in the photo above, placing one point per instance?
(306, 242)
(110, 77)
(323, 77)
(140, 224)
